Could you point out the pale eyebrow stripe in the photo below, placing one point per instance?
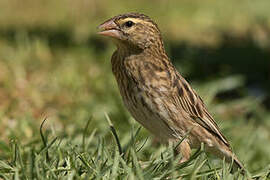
(135, 20)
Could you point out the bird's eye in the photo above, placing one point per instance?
(129, 23)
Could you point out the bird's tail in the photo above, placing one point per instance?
(230, 157)
(237, 165)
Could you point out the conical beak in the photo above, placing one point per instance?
(110, 29)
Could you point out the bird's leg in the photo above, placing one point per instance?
(184, 150)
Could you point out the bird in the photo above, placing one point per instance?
(155, 93)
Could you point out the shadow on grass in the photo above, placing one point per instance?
(235, 55)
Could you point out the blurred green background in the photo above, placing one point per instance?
(54, 65)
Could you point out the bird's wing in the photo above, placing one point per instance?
(164, 78)
(192, 104)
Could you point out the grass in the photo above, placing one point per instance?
(89, 157)
(54, 67)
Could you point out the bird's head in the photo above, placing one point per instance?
(132, 30)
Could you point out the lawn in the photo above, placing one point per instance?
(61, 114)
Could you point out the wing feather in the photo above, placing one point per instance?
(194, 106)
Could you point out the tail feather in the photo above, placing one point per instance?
(237, 165)
(230, 157)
